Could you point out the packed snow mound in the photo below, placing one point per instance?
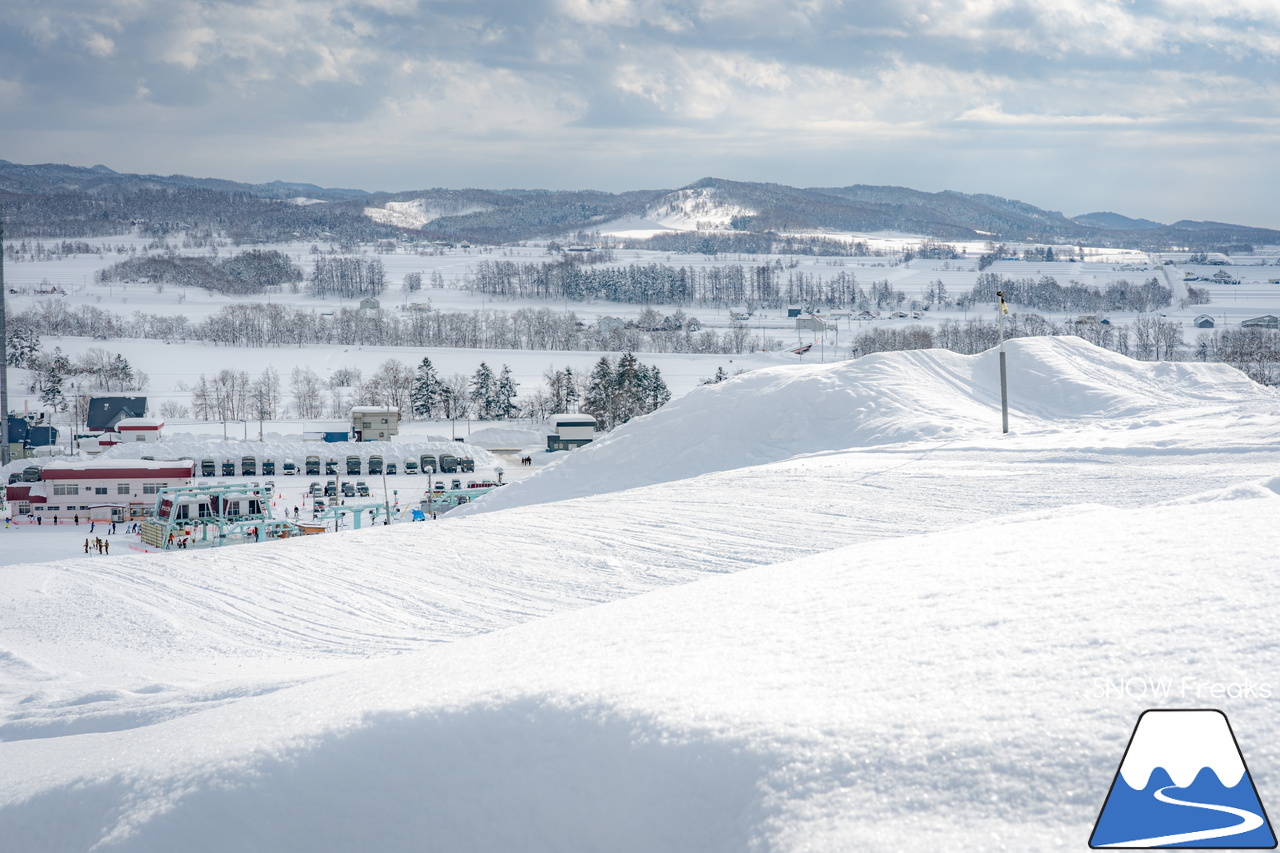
(506, 438)
(941, 692)
(1265, 490)
(776, 413)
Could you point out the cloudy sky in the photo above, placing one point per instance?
(1166, 109)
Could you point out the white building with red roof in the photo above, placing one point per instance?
(139, 429)
(101, 489)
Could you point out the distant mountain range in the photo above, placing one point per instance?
(50, 178)
(54, 200)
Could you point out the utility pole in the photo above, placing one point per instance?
(386, 495)
(4, 357)
(1004, 387)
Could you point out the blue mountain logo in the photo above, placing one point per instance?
(1183, 783)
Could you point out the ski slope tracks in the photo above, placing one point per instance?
(885, 627)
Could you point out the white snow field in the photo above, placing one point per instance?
(812, 608)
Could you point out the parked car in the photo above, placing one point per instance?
(348, 489)
(457, 484)
(363, 488)
(331, 489)
(290, 469)
(315, 490)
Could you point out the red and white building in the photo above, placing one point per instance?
(99, 489)
(139, 429)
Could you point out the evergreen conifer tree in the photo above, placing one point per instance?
(571, 394)
(628, 393)
(598, 401)
(51, 380)
(654, 392)
(425, 396)
(505, 395)
(483, 392)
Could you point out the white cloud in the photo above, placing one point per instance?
(549, 86)
(99, 45)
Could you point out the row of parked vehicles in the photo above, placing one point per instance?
(331, 489)
(361, 488)
(446, 463)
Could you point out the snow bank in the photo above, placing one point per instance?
(942, 692)
(887, 398)
(507, 438)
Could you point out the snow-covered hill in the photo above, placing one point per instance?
(694, 209)
(867, 621)
(929, 396)
(416, 213)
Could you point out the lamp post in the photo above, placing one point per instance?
(386, 495)
(431, 473)
(1004, 387)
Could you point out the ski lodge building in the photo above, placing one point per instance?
(98, 489)
(570, 431)
(374, 423)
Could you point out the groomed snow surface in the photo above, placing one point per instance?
(811, 608)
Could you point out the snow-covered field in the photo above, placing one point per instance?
(818, 607)
(1101, 267)
(173, 366)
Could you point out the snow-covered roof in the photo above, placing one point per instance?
(374, 410)
(114, 463)
(139, 423)
(580, 418)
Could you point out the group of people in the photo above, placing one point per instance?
(180, 542)
(103, 546)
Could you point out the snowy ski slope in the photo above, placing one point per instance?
(811, 608)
